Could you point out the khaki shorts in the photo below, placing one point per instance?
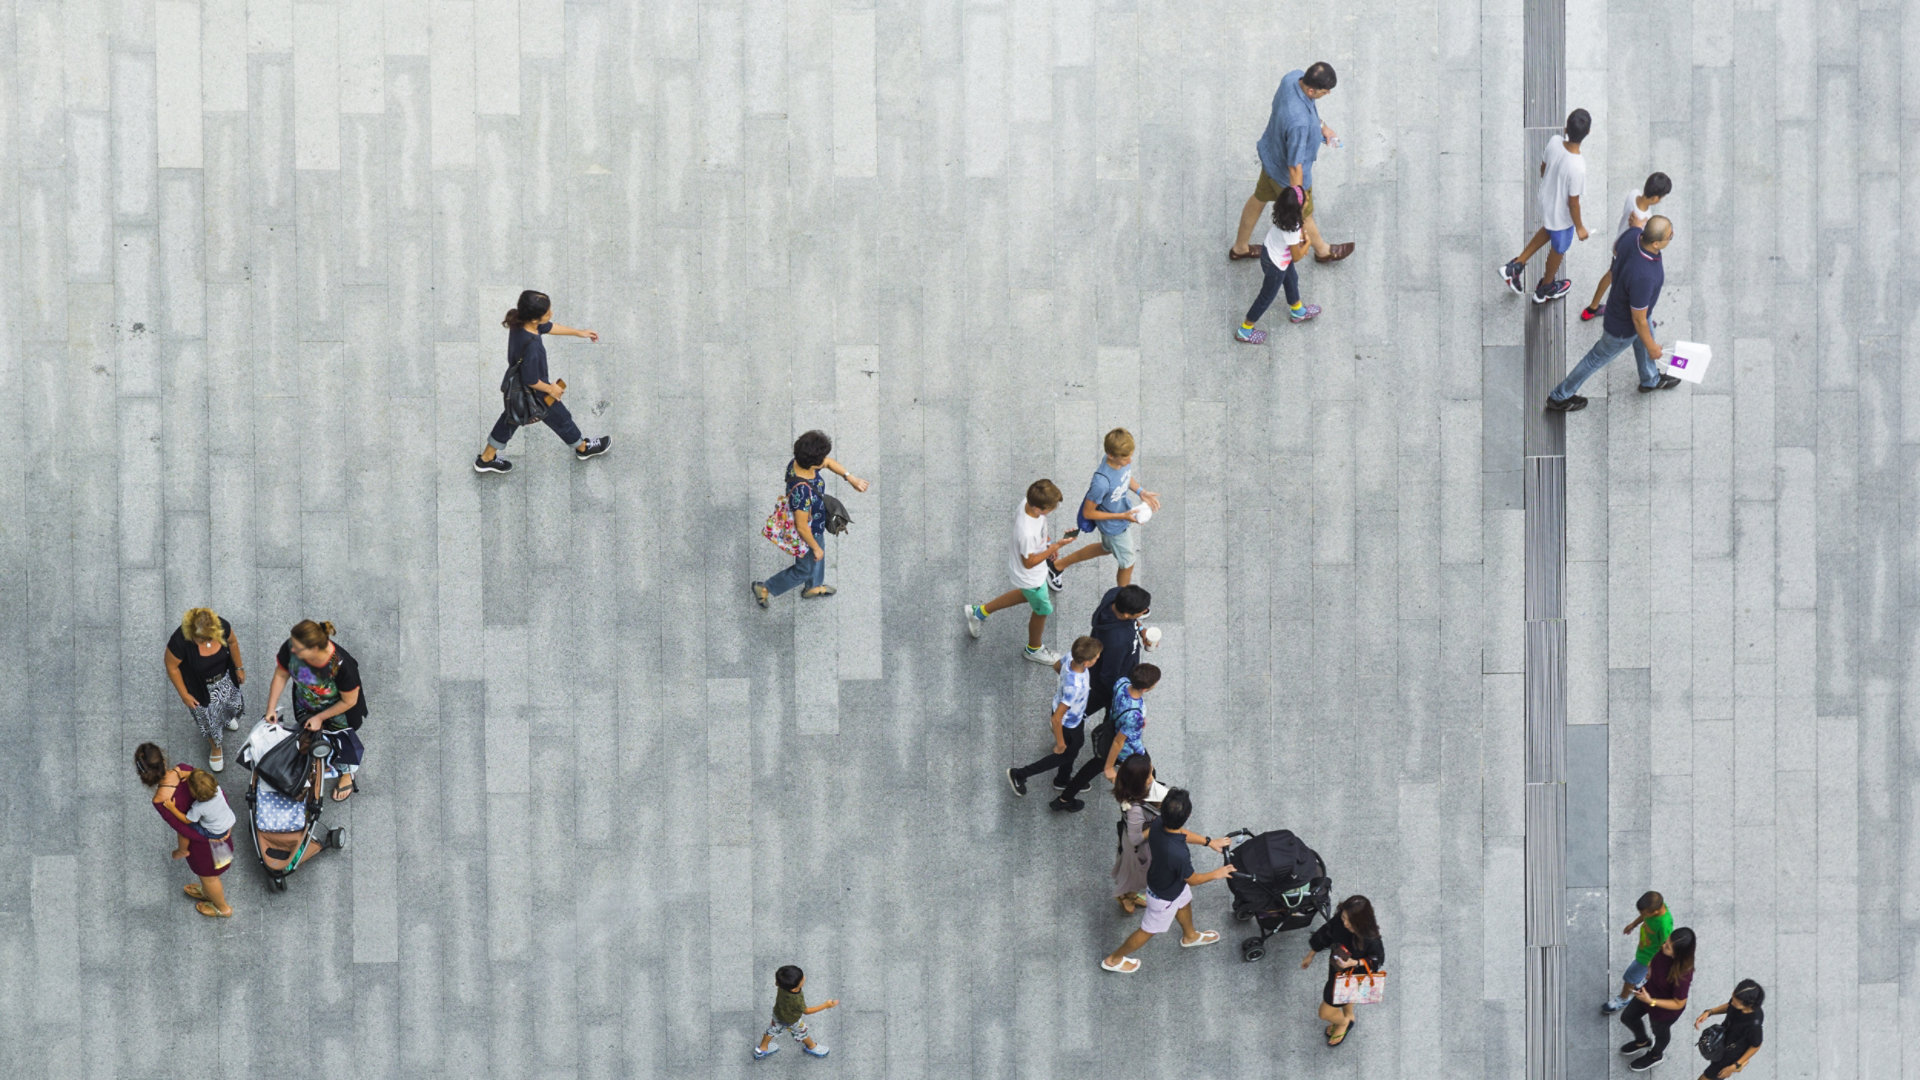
(1268, 190)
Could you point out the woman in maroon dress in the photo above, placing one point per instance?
(171, 800)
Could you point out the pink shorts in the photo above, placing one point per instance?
(1159, 913)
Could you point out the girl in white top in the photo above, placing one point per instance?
(1633, 215)
(1285, 245)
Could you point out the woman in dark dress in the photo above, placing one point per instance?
(529, 320)
(203, 664)
(206, 858)
(1354, 936)
(326, 695)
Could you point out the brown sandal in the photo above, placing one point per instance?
(1254, 251)
(212, 912)
(344, 789)
(193, 890)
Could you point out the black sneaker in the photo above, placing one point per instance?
(1552, 290)
(1055, 580)
(1574, 403)
(1667, 382)
(498, 464)
(1071, 806)
(1515, 275)
(1058, 786)
(594, 448)
(1635, 1046)
(1019, 784)
(1645, 1062)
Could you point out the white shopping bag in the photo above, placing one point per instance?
(1688, 360)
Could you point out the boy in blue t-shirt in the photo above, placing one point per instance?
(1069, 713)
(1111, 508)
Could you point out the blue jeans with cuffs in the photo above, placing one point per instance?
(1604, 351)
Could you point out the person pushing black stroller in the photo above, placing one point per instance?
(1280, 884)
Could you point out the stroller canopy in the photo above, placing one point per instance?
(1279, 860)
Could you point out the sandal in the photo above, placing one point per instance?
(212, 912)
(345, 788)
(1336, 1040)
(1207, 937)
(1121, 968)
(1127, 905)
(194, 891)
(1254, 251)
(760, 594)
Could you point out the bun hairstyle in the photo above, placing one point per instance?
(532, 305)
(201, 624)
(312, 635)
(150, 762)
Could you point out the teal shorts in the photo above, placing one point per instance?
(1123, 546)
(1039, 600)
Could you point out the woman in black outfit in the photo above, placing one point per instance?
(1354, 936)
(531, 318)
(1741, 1028)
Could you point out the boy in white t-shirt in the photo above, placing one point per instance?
(1563, 179)
(1633, 215)
(1032, 551)
(209, 813)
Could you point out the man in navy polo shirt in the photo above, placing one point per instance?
(1637, 277)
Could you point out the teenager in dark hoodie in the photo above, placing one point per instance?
(1116, 623)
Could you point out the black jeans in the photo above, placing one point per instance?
(1102, 741)
(1634, 1013)
(1271, 285)
(1061, 762)
(558, 418)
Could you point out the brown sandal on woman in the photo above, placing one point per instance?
(345, 788)
(193, 890)
(212, 912)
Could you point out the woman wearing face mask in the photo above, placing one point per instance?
(1741, 1030)
(529, 320)
(326, 695)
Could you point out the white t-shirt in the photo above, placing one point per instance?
(1565, 178)
(1029, 537)
(1072, 694)
(214, 816)
(1280, 243)
(1631, 216)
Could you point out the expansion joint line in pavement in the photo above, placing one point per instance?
(1544, 107)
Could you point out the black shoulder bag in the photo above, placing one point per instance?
(835, 513)
(524, 405)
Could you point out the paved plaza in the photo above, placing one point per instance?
(257, 252)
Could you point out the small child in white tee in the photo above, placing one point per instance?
(1633, 215)
(209, 813)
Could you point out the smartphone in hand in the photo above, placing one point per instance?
(1070, 534)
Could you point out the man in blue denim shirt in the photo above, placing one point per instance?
(1287, 151)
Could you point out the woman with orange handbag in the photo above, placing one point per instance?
(1354, 937)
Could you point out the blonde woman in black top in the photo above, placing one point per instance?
(1354, 936)
(203, 664)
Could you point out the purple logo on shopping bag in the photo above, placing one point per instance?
(1677, 362)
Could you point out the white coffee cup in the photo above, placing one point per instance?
(1142, 513)
(1151, 635)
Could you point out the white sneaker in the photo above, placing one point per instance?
(233, 724)
(217, 760)
(1042, 655)
(975, 620)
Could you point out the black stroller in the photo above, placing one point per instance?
(1280, 882)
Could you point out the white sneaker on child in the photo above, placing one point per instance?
(1042, 655)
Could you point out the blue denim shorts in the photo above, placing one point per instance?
(1636, 974)
(1562, 239)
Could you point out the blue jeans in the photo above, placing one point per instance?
(558, 418)
(1597, 357)
(806, 570)
(1275, 278)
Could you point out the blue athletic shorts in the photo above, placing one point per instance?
(1562, 239)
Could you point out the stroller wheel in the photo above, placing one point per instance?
(337, 839)
(1241, 916)
(279, 884)
(1252, 949)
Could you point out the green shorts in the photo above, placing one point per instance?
(1039, 599)
(1124, 546)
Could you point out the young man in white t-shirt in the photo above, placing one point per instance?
(1633, 215)
(1563, 179)
(1031, 553)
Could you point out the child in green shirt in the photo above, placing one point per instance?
(1655, 923)
(789, 1014)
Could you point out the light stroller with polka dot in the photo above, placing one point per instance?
(283, 799)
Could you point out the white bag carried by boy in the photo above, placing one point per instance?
(1688, 361)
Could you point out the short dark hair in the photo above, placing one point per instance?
(1133, 599)
(788, 977)
(1649, 902)
(1176, 808)
(1320, 76)
(1657, 186)
(1085, 649)
(1578, 124)
(1144, 676)
(811, 448)
(1749, 993)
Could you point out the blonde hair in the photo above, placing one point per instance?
(1119, 443)
(312, 635)
(201, 624)
(202, 784)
